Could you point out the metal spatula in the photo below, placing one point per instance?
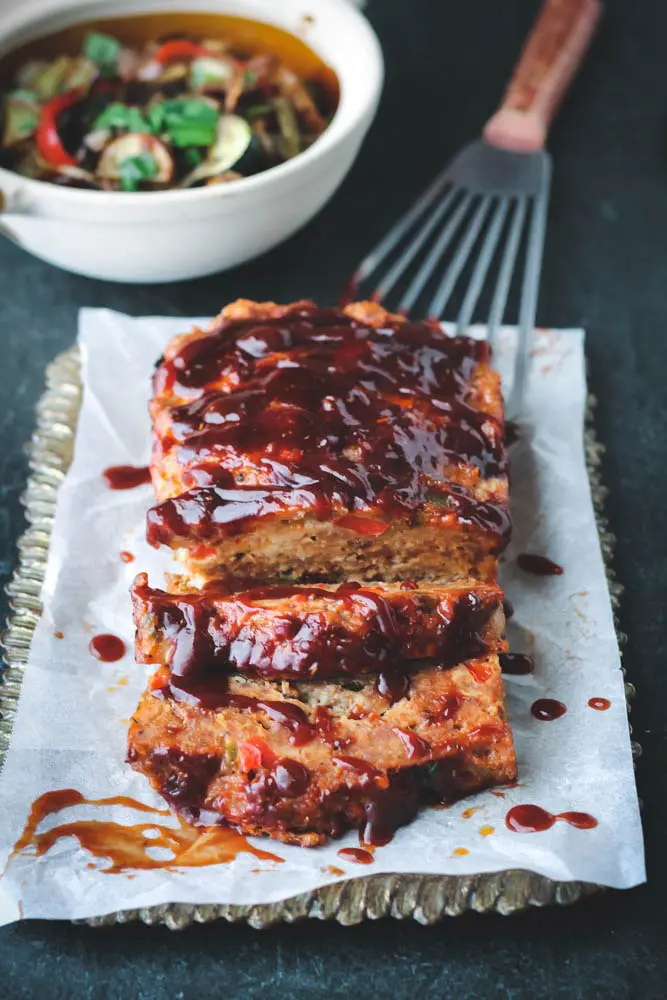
(488, 207)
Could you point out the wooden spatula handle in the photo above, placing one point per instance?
(550, 58)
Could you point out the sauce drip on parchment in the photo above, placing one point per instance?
(535, 819)
(126, 477)
(127, 847)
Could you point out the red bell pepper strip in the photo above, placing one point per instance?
(47, 139)
(180, 48)
(256, 753)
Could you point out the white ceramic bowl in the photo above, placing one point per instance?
(172, 235)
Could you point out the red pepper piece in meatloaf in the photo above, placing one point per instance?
(302, 762)
(314, 632)
(306, 444)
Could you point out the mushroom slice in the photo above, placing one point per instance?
(141, 148)
(232, 141)
(21, 117)
(213, 72)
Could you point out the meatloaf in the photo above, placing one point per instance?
(314, 632)
(293, 443)
(305, 761)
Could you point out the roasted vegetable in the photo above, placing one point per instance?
(134, 159)
(176, 112)
(21, 116)
(232, 141)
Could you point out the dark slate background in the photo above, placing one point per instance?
(605, 269)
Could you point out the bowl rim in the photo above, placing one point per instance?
(335, 132)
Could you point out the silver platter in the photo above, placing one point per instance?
(425, 898)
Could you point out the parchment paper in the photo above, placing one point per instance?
(71, 725)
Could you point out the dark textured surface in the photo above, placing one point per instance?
(605, 270)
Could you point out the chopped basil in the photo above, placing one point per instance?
(186, 121)
(103, 50)
(122, 117)
(193, 156)
(136, 169)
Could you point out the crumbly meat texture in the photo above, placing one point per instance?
(293, 443)
(315, 632)
(303, 762)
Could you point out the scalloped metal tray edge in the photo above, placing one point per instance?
(425, 898)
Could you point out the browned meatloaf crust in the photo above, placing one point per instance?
(305, 761)
(297, 443)
(314, 632)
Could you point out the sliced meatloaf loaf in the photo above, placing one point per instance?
(305, 761)
(314, 631)
(305, 444)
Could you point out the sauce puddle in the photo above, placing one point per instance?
(107, 647)
(126, 847)
(538, 565)
(547, 709)
(534, 819)
(599, 704)
(356, 854)
(126, 477)
(516, 664)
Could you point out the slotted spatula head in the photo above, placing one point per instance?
(487, 210)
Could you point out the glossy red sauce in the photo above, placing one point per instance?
(214, 695)
(216, 632)
(126, 477)
(547, 709)
(392, 685)
(318, 412)
(599, 704)
(291, 777)
(122, 848)
(357, 855)
(107, 647)
(451, 705)
(516, 664)
(414, 745)
(534, 819)
(538, 565)
(126, 557)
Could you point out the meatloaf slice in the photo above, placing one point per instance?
(302, 762)
(314, 632)
(298, 443)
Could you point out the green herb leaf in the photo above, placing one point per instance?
(186, 121)
(193, 156)
(136, 169)
(102, 49)
(155, 118)
(121, 117)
